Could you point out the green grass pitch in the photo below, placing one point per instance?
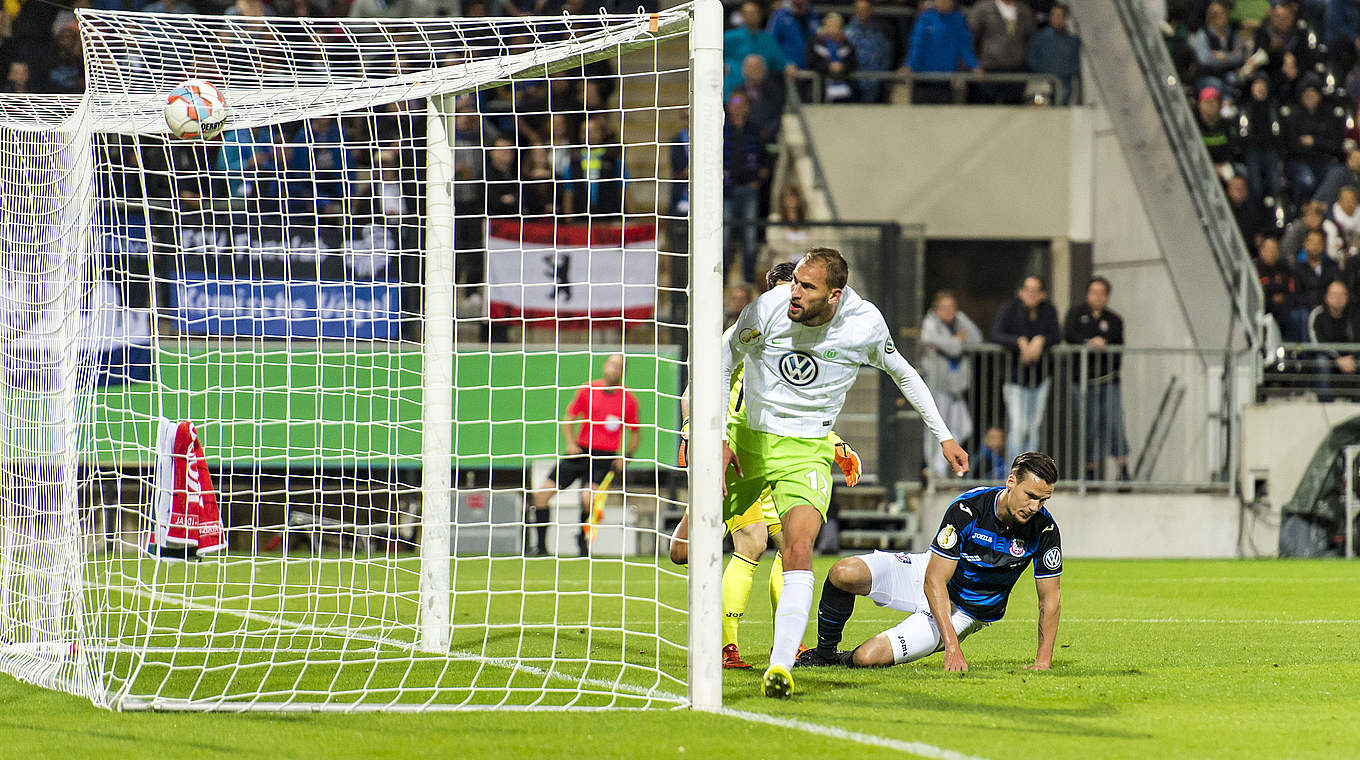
(1155, 658)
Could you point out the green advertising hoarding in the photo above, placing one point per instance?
(321, 405)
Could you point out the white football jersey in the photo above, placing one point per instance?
(796, 377)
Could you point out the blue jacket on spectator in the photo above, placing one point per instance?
(741, 154)
(1057, 53)
(793, 32)
(939, 41)
(739, 43)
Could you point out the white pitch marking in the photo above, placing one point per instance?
(916, 748)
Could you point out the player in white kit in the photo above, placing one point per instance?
(803, 345)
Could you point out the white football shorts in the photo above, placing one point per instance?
(897, 581)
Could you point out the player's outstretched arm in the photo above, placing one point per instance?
(1050, 608)
(938, 572)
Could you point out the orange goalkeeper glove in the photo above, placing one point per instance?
(682, 459)
(848, 461)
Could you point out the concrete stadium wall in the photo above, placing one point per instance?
(1007, 173)
(1127, 525)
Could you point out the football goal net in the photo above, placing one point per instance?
(372, 401)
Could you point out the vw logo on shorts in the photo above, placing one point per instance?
(798, 367)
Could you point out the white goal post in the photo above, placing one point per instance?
(349, 332)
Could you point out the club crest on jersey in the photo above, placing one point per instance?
(948, 537)
(1053, 558)
(1017, 547)
(798, 368)
(888, 347)
(748, 335)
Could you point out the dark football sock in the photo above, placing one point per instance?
(832, 613)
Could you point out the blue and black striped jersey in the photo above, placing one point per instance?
(991, 554)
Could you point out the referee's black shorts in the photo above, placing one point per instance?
(593, 464)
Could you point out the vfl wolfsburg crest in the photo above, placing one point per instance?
(799, 368)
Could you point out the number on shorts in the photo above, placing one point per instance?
(819, 482)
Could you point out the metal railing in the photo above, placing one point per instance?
(959, 81)
(1164, 86)
(1311, 370)
(1126, 418)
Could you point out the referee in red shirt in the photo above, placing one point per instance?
(601, 409)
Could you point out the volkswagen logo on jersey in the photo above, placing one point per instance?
(1017, 547)
(1052, 558)
(798, 368)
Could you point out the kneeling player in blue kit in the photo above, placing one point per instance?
(986, 540)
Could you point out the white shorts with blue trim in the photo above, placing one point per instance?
(897, 581)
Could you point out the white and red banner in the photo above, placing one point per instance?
(564, 272)
(185, 521)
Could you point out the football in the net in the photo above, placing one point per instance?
(195, 109)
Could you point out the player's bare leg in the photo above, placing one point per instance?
(680, 541)
(802, 523)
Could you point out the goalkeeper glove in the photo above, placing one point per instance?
(848, 461)
(683, 458)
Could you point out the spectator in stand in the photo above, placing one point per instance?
(596, 175)
(873, 48)
(1343, 34)
(945, 332)
(1055, 50)
(1346, 217)
(992, 463)
(739, 296)
(765, 97)
(1027, 326)
(831, 55)
(747, 39)
(794, 25)
(1094, 325)
(1341, 175)
(1002, 30)
(1313, 140)
(67, 74)
(1287, 83)
(1217, 133)
(1259, 130)
(1281, 290)
(1248, 213)
(1313, 217)
(17, 79)
(1283, 32)
(502, 179)
(537, 192)
(941, 43)
(1316, 270)
(1335, 320)
(742, 151)
(1219, 51)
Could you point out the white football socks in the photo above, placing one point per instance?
(790, 619)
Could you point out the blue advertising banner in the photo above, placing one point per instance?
(269, 308)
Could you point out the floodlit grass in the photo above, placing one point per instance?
(1155, 658)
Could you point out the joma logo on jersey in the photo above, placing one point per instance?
(798, 368)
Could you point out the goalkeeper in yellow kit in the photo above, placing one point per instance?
(750, 528)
